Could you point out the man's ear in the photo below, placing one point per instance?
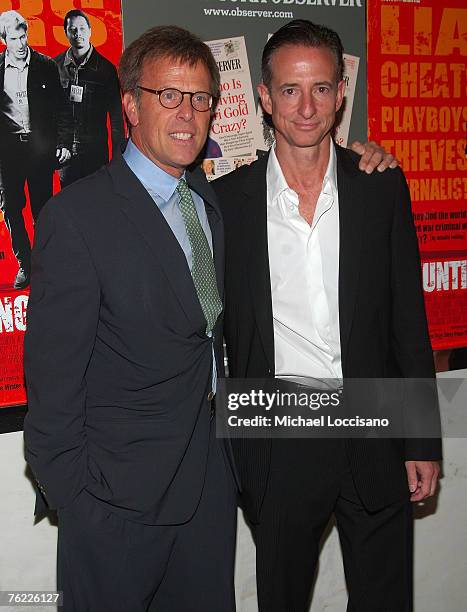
(340, 94)
(131, 108)
(265, 97)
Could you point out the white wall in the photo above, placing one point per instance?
(27, 551)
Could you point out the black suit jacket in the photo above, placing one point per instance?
(117, 361)
(101, 96)
(383, 327)
(50, 119)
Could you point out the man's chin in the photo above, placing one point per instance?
(183, 159)
(311, 140)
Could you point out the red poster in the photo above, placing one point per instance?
(60, 115)
(417, 108)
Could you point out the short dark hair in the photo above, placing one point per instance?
(162, 42)
(75, 13)
(308, 34)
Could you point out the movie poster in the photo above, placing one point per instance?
(60, 117)
(417, 60)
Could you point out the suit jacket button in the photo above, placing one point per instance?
(210, 395)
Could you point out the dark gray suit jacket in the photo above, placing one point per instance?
(118, 365)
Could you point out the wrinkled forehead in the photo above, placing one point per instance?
(167, 67)
(14, 31)
(302, 59)
(77, 22)
(167, 60)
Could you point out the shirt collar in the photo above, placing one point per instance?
(275, 179)
(330, 178)
(159, 181)
(11, 62)
(70, 59)
(277, 184)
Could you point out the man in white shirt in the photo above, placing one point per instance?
(34, 133)
(323, 282)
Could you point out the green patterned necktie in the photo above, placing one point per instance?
(202, 271)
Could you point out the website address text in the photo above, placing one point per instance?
(238, 12)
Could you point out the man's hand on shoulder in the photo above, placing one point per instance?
(373, 157)
(422, 477)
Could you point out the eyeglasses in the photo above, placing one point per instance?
(201, 101)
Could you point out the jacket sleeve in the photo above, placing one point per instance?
(62, 323)
(64, 117)
(410, 339)
(115, 108)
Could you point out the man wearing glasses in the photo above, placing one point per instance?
(124, 444)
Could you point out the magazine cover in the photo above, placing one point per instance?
(233, 127)
(341, 134)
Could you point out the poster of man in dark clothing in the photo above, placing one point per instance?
(91, 88)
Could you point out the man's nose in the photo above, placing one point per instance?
(307, 105)
(185, 110)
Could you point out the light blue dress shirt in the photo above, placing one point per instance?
(162, 187)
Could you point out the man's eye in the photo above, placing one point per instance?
(323, 89)
(290, 91)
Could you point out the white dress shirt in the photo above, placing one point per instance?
(304, 270)
(16, 90)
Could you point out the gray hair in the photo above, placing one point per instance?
(11, 20)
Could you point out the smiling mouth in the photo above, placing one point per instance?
(181, 136)
(307, 126)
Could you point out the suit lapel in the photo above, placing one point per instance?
(351, 209)
(141, 211)
(255, 209)
(2, 76)
(33, 80)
